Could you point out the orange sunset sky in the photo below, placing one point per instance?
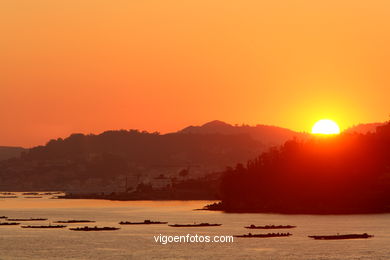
(92, 65)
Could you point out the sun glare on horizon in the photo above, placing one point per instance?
(325, 127)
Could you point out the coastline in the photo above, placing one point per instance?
(156, 195)
(218, 206)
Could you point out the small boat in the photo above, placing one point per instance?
(196, 225)
(270, 227)
(3, 217)
(145, 222)
(27, 219)
(75, 221)
(8, 197)
(7, 193)
(249, 235)
(9, 224)
(30, 193)
(94, 228)
(347, 236)
(33, 197)
(49, 226)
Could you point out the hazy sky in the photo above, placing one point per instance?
(91, 65)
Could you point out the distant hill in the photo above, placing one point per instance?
(364, 128)
(268, 135)
(7, 152)
(104, 161)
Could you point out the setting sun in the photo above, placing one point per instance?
(325, 126)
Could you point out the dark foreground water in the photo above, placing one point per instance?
(137, 242)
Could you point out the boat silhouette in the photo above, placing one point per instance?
(9, 224)
(270, 227)
(95, 228)
(43, 226)
(7, 193)
(347, 236)
(250, 235)
(27, 219)
(74, 221)
(145, 222)
(196, 225)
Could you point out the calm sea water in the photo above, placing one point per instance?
(137, 242)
